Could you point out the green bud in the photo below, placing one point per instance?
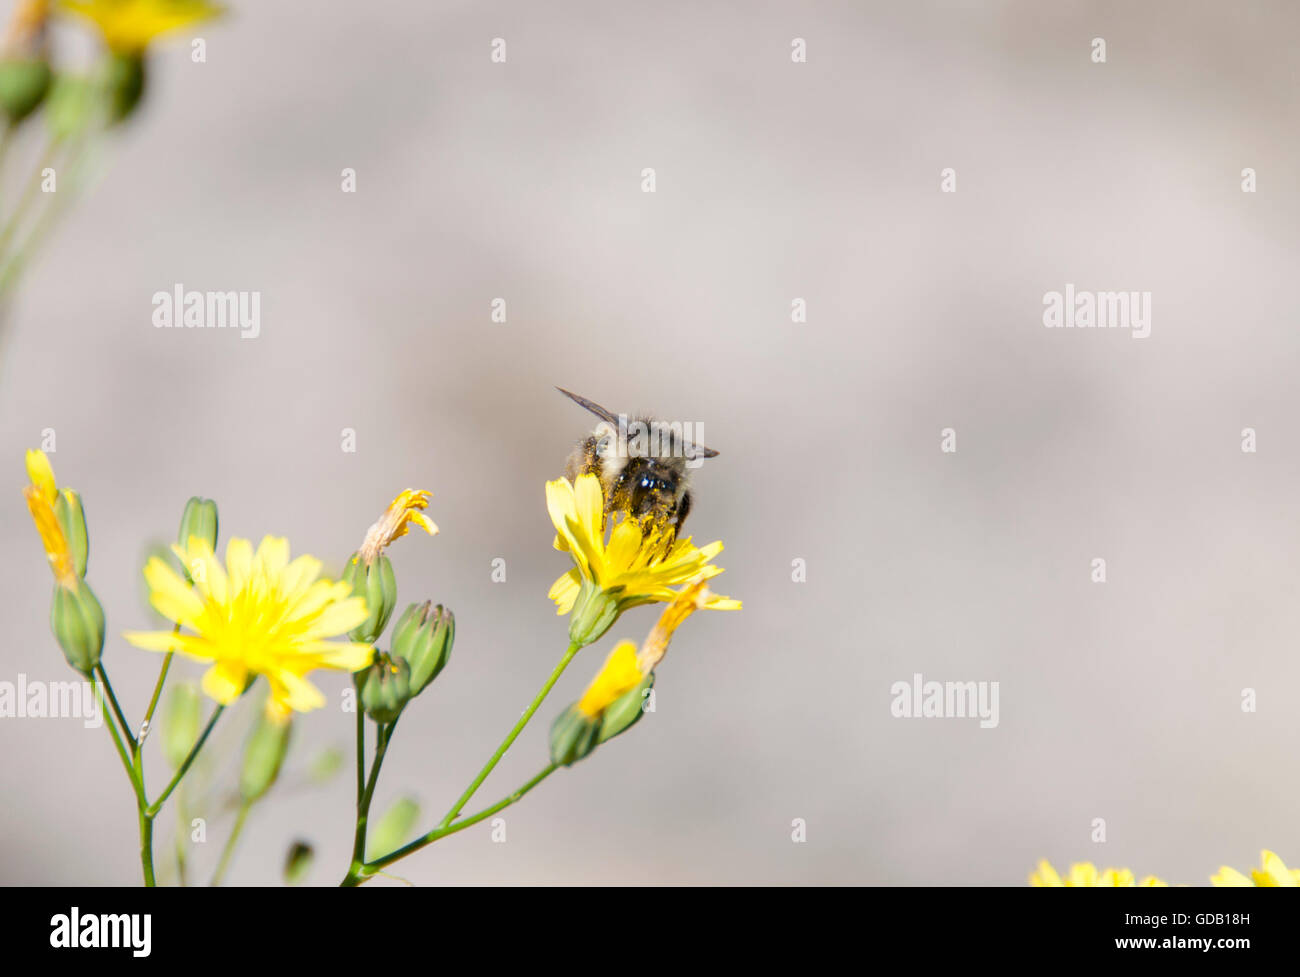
(297, 863)
(267, 745)
(594, 611)
(181, 722)
(124, 82)
(77, 620)
(384, 688)
(24, 83)
(378, 586)
(199, 520)
(72, 520)
(70, 105)
(393, 829)
(573, 736)
(423, 638)
(625, 710)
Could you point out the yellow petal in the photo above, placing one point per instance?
(618, 675)
(42, 475)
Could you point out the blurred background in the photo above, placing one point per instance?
(775, 180)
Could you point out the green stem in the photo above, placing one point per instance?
(156, 806)
(117, 741)
(363, 805)
(514, 734)
(146, 847)
(108, 688)
(157, 691)
(220, 875)
(370, 868)
(360, 869)
(361, 755)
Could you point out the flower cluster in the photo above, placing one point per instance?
(263, 618)
(1272, 871)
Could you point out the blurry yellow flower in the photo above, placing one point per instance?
(404, 510)
(626, 667)
(128, 26)
(41, 495)
(631, 568)
(1272, 871)
(1086, 874)
(259, 615)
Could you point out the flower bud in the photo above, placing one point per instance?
(200, 521)
(384, 688)
(376, 584)
(573, 736)
(297, 863)
(624, 711)
(24, 82)
(77, 620)
(124, 82)
(72, 520)
(423, 638)
(267, 745)
(594, 611)
(181, 723)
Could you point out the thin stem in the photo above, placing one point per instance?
(229, 849)
(514, 734)
(108, 688)
(156, 806)
(363, 807)
(121, 749)
(157, 691)
(146, 847)
(29, 194)
(370, 868)
(361, 756)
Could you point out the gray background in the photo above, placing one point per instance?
(775, 180)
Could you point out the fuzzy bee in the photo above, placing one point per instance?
(643, 465)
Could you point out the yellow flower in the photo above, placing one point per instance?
(1272, 871)
(632, 567)
(128, 26)
(259, 615)
(404, 510)
(41, 495)
(1086, 874)
(625, 668)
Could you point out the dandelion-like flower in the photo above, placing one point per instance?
(41, 496)
(1272, 871)
(403, 512)
(259, 615)
(1086, 874)
(129, 26)
(636, 565)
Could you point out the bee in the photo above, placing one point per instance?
(643, 465)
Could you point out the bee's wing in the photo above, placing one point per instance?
(692, 450)
(592, 406)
